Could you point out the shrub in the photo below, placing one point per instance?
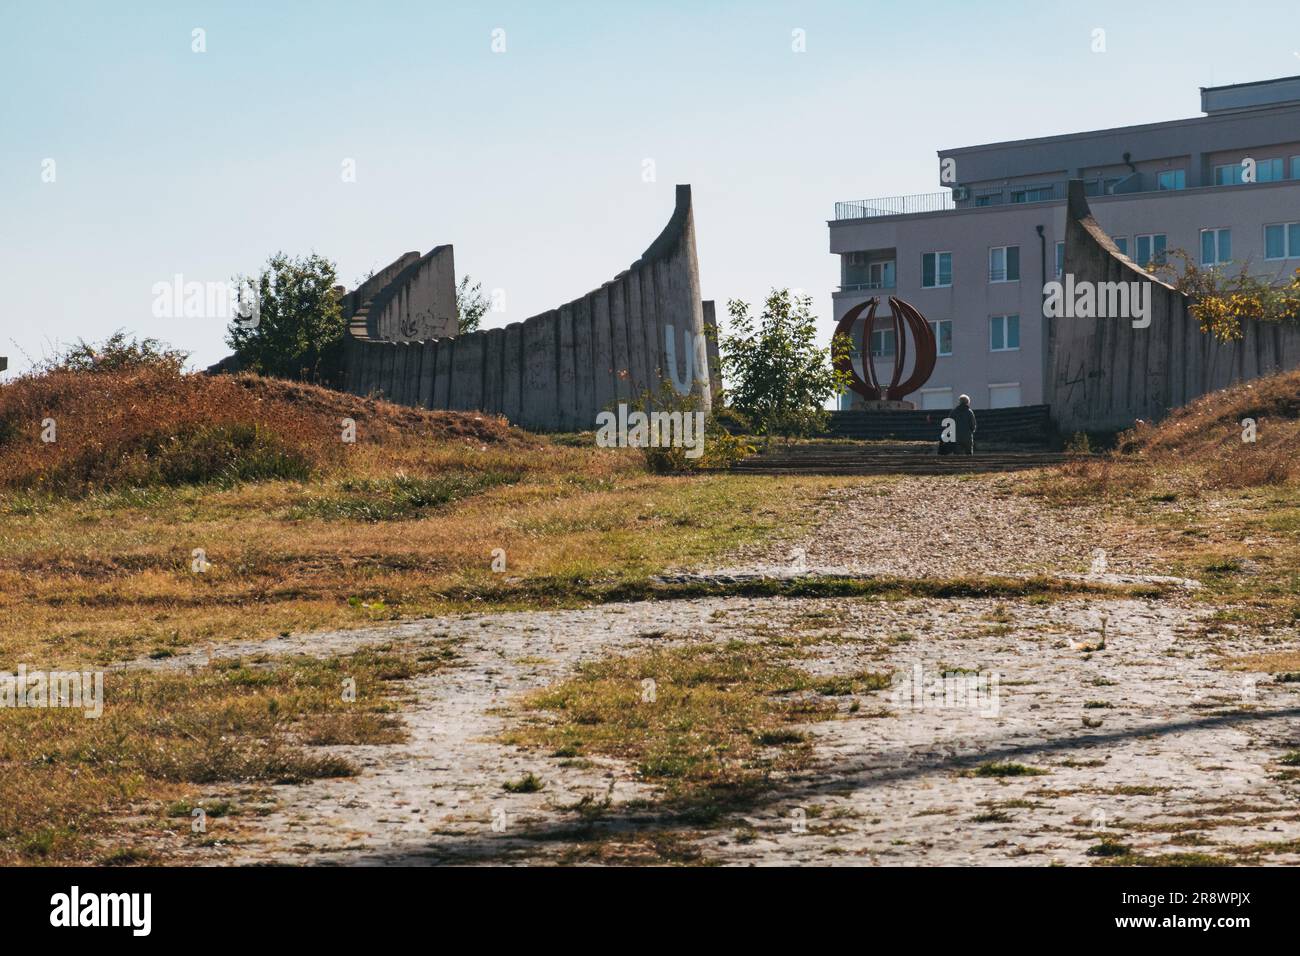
(779, 377)
(720, 448)
(117, 353)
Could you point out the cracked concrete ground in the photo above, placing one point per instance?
(1146, 743)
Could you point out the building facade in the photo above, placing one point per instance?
(1224, 188)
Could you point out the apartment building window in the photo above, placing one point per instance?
(1172, 179)
(1266, 171)
(1269, 171)
(936, 399)
(880, 275)
(1216, 246)
(1004, 395)
(1121, 243)
(1004, 333)
(1151, 248)
(1295, 167)
(936, 270)
(1004, 264)
(942, 329)
(1230, 175)
(1032, 194)
(1282, 240)
(883, 343)
(1060, 259)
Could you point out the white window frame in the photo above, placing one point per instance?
(1005, 271)
(1200, 237)
(938, 284)
(1287, 251)
(1005, 326)
(938, 339)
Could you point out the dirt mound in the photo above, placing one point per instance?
(67, 431)
(1213, 432)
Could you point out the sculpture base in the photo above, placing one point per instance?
(880, 405)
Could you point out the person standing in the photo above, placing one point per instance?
(964, 416)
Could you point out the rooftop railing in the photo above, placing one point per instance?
(895, 205)
(962, 197)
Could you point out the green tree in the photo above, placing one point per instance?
(296, 329)
(778, 377)
(471, 305)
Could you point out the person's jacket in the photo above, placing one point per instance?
(964, 416)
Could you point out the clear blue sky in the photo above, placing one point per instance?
(529, 161)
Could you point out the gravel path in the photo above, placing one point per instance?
(944, 526)
(1147, 744)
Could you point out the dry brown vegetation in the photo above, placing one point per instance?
(1212, 506)
(152, 426)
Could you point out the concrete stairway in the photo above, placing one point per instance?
(861, 458)
(1028, 423)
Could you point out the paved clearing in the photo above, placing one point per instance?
(1147, 743)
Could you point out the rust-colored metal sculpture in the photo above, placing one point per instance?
(922, 336)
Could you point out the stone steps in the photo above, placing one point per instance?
(817, 462)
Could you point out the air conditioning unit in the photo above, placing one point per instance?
(960, 193)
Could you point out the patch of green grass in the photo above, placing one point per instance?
(859, 682)
(1109, 848)
(1006, 769)
(707, 738)
(528, 783)
(399, 498)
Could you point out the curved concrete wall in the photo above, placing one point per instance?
(411, 300)
(557, 370)
(1105, 374)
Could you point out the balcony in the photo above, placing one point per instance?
(867, 286)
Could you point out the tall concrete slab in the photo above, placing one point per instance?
(493, 361)
(711, 343)
(617, 294)
(428, 355)
(602, 343)
(467, 374)
(554, 370)
(584, 352)
(442, 374)
(568, 375)
(539, 405)
(512, 372)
